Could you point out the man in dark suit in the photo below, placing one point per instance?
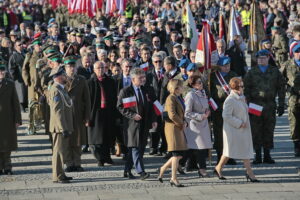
(85, 68)
(173, 42)
(137, 110)
(154, 79)
(122, 80)
(171, 71)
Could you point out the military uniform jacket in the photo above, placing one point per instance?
(29, 73)
(79, 92)
(292, 75)
(10, 114)
(61, 110)
(262, 88)
(281, 48)
(216, 91)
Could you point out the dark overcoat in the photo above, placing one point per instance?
(10, 114)
(101, 121)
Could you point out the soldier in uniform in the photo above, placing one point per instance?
(292, 74)
(280, 46)
(262, 84)
(9, 104)
(219, 90)
(31, 80)
(78, 90)
(61, 123)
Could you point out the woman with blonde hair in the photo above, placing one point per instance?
(237, 137)
(174, 129)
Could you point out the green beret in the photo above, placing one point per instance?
(108, 37)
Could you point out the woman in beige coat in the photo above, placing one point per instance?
(174, 127)
(237, 139)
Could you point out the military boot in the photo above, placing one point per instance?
(257, 159)
(297, 148)
(267, 157)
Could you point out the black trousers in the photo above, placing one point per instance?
(199, 155)
(101, 152)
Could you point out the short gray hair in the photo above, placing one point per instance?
(157, 55)
(136, 72)
(125, 60)
(99, 63)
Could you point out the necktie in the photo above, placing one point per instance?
(159, 75)
(140, 96)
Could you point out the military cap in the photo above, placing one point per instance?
(2, 65)
(12, 32)
(50, 51)
(52, 20)
(36, 41)
(37, 35)
(138, 39)
(191, 67)
(79, 33)
(55, 57)
(296, 48)
(265, 41)
(224, 60)
(70, 60)
(275, 28)
(109, 36)
(57, 72)
(263, 52)
(73, 32)
(183, 63)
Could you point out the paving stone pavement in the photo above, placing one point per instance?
(32, 176)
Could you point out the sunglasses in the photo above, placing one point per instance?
(157, 61)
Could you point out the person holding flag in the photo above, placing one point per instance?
(263, 83)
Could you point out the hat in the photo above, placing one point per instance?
(73, 32)
(50, 50)
(70, 60)
(263, 52)
(191, 67)
(109, 36)
(296, 48)
(224, 60)
(183, 63)
(275, 28)
(36, 41)
(37, 35)
(266, 41)
(57, 72)
(55, 57)
(52, 20)
(12, 32)
(2, 65)
(79, 33)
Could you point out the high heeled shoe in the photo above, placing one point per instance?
(251, 180)
(159, 178)
(176, 185)
(203, 175)
(218, 175)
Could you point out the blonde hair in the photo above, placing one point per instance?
(174, 84)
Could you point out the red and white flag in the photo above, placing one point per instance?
(145, 66)
(213, 104)
(158, 108)
(255, 109)
(129, 102)
(206, 53)
(222, 28)
(292, 45)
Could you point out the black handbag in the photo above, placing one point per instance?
(165, 116)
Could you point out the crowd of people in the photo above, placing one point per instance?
(118, 82)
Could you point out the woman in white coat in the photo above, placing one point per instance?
(237, 139)
(197, 133)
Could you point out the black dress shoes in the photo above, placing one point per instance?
(64, 179)
(8, 172)
(128, 175)
(70, 169)
(79, 169)
(144, 175)
(153, 151)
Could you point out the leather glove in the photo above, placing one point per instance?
(280, 111)
(65, 134)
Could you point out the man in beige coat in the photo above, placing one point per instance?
(61, 123)
(9, 104)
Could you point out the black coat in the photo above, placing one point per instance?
(84, 72)
(101, 121)
(164, 93)
(15, 69)
(136, 132)
(238, 61)
(152, 80)
(118, 82)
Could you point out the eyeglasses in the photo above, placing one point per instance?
(157, 61)
(241, 86)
